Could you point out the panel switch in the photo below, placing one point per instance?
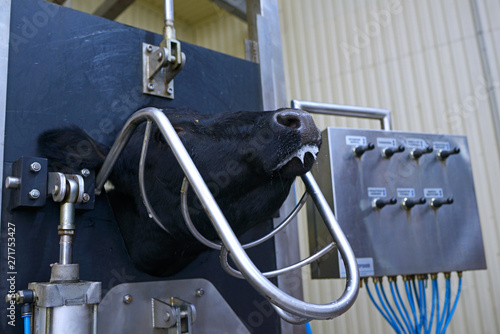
(390, 151)
(443, 154)
(359, 150)
(418, 152)
(438, 202)
(379, 203)
(409, 203)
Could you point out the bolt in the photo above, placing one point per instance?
(151, 86)
(127, 299)
(56, 190)
(149, 48)
(12, 182)
(34, 194)
(85, 172)
(170, 90)
(166, 317)
(85, 197)
(160, 56)
(199, 292)
(35, 167)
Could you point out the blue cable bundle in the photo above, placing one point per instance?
(399, 317)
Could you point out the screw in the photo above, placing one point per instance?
(127, 299)
(34, 194)
(170, 90)
(35, 167)
(199, 292)
(160, 56)
(85, 197)
(85, 172)
(149, 48)
(151, 86)
(166, 317)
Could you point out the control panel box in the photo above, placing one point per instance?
(405, 201)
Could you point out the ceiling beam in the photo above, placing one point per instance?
(235, 7)
(111, 9)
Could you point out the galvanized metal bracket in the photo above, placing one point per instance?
(176, 316)
(160, 64)
(27, 182)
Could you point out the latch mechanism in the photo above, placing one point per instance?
(176, 316)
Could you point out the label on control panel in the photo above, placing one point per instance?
(433, 192)
(355, 140)
(406, 192)
(365, 265)
(377, 192)
(415, 143)
(441, 145)
(386, 142)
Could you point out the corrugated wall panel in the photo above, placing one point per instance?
(421, 60)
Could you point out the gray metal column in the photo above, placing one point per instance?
(4, 65)
(264, 48)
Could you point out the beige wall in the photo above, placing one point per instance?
(419, 59)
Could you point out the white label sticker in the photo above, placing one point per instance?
(386, 142)
(433, 192)
(440, 145)
(355, 140)
(415, 143)
(365, 265)
(406, 192)
(377, 192)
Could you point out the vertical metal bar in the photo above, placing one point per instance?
(5, 10)
(66, 249)
(264, 33)
(169, 31)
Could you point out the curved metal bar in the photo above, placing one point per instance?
(142, 162)
(243, 263)
(290, 318)
(344, 110)
(217, 246)
(233, 272)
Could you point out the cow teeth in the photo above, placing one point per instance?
(300, 154)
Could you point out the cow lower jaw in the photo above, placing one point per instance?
(299, 154)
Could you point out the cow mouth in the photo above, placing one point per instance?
(300, 160)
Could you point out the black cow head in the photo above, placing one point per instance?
(248, 160)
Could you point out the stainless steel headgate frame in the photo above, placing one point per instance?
(289, 308)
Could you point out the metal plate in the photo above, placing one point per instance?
(213, 314)
(392, 240)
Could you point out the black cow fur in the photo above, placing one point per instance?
(239, 155)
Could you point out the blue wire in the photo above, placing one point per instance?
(414, 285)
(434, 288)
(391, 309)
(416, 303)
(454, 306)
(401, 308)
(409, 296)
(376, 305)
(437, 307)
(27, 323)
(423, 308)
(444, 315)
(392, 322)
(308, 329)
(404, 309)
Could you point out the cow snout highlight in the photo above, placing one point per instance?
(301, 121)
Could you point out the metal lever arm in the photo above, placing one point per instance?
(245, 265)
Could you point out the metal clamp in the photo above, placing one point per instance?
(298, 309)
(177, 313)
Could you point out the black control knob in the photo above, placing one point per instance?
(359, 150)
(409, 203)
(438, 202)
(443, 154)
(418, 152)
(390, 151)
(379, 203)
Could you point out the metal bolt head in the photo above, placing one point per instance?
(12, 182)
(34, 194)
(149, 48)
(199, 292)
(85, 172)
(85, 197)
(127, 299)
(160, 56)
(170, 90)
(35, 167)
(151, 86)
(167, 316)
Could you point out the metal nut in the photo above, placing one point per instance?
(85, 172)
(149, 48)
(151, 86)
(127, 299)
(199, 292)
(35, 167)
(85, 197)
(160, 56)
(34, 194)
(170, 90)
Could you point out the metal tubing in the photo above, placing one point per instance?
(169, 31)
(343, 110)
(240, 258)
(66, 249)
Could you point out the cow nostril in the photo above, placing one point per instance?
(289, 120)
